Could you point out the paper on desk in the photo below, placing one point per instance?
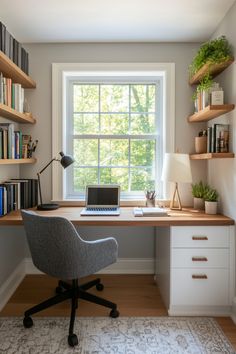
(150, 212)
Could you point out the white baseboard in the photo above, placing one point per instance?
(122, 266)
(199, 311)
(233, 312)
(9, 286)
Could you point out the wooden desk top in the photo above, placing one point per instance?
(186, 217)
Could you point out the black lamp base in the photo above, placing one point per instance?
(52, 206)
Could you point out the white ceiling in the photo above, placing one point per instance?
(113, 20)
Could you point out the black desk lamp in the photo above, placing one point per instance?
(65, 161)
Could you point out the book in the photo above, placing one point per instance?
(220, 138)
(10, 137)
(209, 139)
(145, 211)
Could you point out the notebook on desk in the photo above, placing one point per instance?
(102, 200)
(150, 212)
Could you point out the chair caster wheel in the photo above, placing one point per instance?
(99, 287)
(114, 313)
(59, 289)
(72, 340)
(28, 322)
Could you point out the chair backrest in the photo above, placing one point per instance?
(56, 247)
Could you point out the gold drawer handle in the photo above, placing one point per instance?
(199, 238)
(199, 259)
(199, 276)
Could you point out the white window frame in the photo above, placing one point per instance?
(60, 73)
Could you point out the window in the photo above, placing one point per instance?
(113, 123)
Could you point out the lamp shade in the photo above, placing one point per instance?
(176, 168)
(66, 160)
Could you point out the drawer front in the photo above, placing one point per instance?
(200, 236)
(200, 257)
(200, 287)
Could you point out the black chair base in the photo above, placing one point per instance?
(74, 292)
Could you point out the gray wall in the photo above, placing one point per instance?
(222, 173)
(43, 55)
(12, 250)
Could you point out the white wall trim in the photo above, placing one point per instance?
(13, 281)
(122, 266)
(233, 312)
(59, 73)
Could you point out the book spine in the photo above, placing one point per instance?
(209, 138)
(1, 201)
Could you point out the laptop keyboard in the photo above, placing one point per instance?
(100, 211)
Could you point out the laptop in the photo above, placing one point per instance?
(102, 200)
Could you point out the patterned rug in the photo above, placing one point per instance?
(123, 335)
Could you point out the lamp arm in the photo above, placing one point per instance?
(54, 159)
(40, 193)
(39, 173)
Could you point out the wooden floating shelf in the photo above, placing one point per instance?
(210, 112)
(212, 155)
(10, 69)
(16, 161)
(10, 113)
(212, 69)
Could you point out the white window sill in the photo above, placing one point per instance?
(123, 203)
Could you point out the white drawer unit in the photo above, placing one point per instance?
(195, 269)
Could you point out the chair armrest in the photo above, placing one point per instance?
(101, 253)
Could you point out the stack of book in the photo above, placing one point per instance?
(11, 94)
(13, 144)
(13, 49)
(218, 138)
(18, 194)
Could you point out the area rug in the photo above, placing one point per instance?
(122, 335)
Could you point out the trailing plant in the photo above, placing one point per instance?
(199, 189)
(211, 195)
(205, 85)
(215, 51)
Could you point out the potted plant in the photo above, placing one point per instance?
(215, 51)
(211, 200)
(198, 192)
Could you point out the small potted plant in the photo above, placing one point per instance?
(211, 201)
(198, 192)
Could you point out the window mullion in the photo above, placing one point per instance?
(99, 140)
(129, 180)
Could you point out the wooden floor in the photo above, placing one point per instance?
(136, 295)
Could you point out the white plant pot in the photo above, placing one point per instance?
(198, 203)
(211, 207)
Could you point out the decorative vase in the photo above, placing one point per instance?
(211, 207)
(200, 144)
(198, 203)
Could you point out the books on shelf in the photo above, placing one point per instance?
(13, 49)
(218, 138)
(13, 144)
(12, 95)
(150, 211)
(18, 194)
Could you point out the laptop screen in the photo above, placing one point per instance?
(103, 196)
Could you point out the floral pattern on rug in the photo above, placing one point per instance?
(99, 335)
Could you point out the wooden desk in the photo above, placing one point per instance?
(186, 217)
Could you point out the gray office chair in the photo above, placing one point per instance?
(59, 251)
